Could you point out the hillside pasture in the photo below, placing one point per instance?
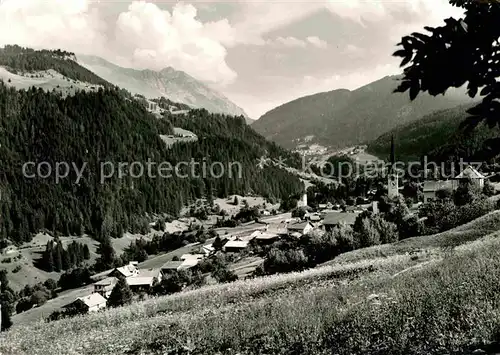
(442, 298)
(29, 253)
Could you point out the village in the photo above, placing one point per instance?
(264, 232)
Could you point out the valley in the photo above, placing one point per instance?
(341, 222)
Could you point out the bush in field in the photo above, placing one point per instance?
(23, 305)
(445, 215)
(321, 247)
(279, 261)
(489, 189)
(466, 193)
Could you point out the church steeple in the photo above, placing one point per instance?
(393, 152)
(393, 176)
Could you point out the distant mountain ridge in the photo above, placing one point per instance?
(342, 118)
(438, 136)
(173, 84)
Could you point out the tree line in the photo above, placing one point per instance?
(56, 258)
(104, 126)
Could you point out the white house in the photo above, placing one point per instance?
(127, 270)
(92, 303)
(432, 186)
(235, 246)
(470, 173)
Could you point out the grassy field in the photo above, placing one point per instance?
(29, 253)
(433, 295)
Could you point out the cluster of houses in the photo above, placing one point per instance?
(431, 187)
(137, 279)
(326, 219)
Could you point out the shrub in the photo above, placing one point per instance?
(121, 294)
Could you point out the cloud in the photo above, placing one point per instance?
(157, 38)
(143, 36)
(291, 41)
(316, 41)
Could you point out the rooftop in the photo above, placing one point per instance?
(172, 265)
(299, 226)
(236, 244)
(127, 270)
(140, 281)
(265, 236)
(92, 300)
(433, 186)
(107, 281)
(470, 173)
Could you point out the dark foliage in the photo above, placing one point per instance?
(121, 294)
(89, 128)
(57, 258)
(19, 59)
(463, 51)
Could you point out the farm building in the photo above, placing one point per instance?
(171, 266)
(126, 271)
(208, 249)
(431, 187)
(105, 286)
(470, 173)
(235, 246)
(264, 237)
(91, 303)
(140, 283)
(301, 227)
(155, 273)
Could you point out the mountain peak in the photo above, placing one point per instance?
(176, 85)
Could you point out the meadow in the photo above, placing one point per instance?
(434, 295)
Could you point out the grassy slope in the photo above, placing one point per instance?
(441, 298)
(29, 274)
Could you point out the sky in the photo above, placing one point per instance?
(260, 54)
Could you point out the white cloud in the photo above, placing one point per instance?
(144, 36)
(158, 39)
(289, 42)
(316, 41)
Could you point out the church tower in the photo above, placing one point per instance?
(392, 179)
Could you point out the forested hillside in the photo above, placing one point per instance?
(343, 118)
(438, 136)
(22, 60)
(103, 126)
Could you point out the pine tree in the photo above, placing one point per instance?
(58, 258)
(121, 294)
(86, 252)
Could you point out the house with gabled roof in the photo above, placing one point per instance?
(470, 173)
(105, 286)
(262, 237)
(431, 187)
(300, 227)
(235, 246)
(140, 283)
(91, 303)
(126, 271)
